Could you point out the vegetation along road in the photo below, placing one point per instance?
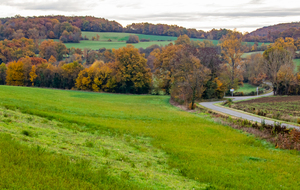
(211, 105)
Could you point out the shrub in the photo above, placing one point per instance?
(133, 39)
(228, 102)
(298, 120)
(144, 40)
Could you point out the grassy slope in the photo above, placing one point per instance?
(201, 149)
(23, 167)
(120, 157)
(247, 88)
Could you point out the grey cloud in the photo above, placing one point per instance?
(206, 15)
(129, 5)
(60, 5)
(255, 2)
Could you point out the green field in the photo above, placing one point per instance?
(95, 45)
(297, 64)
(245, 55)
(149, 142)
(118, 40)
(247, 88)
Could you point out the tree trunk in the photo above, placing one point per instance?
(193, 98)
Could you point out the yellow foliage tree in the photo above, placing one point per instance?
(33, 74)
(231, 46)
(15, 73)
(132, 73)
(183, 40)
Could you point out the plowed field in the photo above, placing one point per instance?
(285, 108)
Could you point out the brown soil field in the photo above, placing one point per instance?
(272, 100)
(286, 108)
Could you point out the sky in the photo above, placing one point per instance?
(244, 15)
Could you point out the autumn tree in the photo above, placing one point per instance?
(132, 74)
(231, 52)
(3, 69)
(210, 57)
(97, 78)
(133, 39)
(33, 74)
(275, 57)
(190, 76)
(254, 69)
(50, 48)
(182, 40)
(164, 68)
(70, 73)
(52, 59)
(15, 73)
(285, 77)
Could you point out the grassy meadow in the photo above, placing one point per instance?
(140, 140)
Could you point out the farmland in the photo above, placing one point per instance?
(282, 108)
(118, 40)
(139, 139)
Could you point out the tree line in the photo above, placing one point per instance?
(68, 29)
(187, 70)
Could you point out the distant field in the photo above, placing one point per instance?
(247, 88)
(116, 36)
(297, 63)
(119, 40)
(95, 45)
(245, 55)
(259, 43)
(92, 125)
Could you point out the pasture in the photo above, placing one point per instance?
(285, 108)
(196, 150)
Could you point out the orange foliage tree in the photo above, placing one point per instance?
(50, 48)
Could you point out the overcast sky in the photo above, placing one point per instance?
(244, 15)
